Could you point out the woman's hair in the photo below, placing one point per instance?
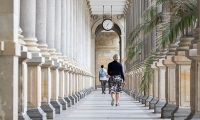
(102, 66)
(116, 57)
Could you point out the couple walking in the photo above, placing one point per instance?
(116, 79)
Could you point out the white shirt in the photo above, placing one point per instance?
(104, 77)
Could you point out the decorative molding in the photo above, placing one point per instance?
(88, 6)
(127, 7)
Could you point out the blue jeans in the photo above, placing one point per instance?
(103, 85)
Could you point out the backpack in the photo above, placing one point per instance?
(102, 73)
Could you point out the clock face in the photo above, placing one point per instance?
(107, 24)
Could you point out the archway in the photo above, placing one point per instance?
(107, 43)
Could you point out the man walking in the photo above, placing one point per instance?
(103, 79)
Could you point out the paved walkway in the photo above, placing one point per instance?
(96, 106)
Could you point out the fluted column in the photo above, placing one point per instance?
(71, 28)
(41, 16)
(28, 25)
(183, 65)
(57, 39)
(63, 27)
(22, 78)
(68, 33)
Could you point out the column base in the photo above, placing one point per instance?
(57, 106)
(147, 102)
(85, 92)
(72, 99)
(159, 105)
(76, 98)
(167, 109)
(193, 116)
(79, 93)
(134, 94)
(140, 99)
(180, 113)
(137, 96)
(82, 94)
(144, 99)
(69, 103)
(63, 103)
(36, 114)
(24, 117)
(49, 110)
(152, 103)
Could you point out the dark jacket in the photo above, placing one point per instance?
(115, 68)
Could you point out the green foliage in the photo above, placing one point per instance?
(147, 73)
(183, 16)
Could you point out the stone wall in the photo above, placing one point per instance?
(107, 44)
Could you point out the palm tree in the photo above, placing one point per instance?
(183, 15)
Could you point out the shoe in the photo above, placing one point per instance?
(104, 92)
(112, 101)
(117, 104)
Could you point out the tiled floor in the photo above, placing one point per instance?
(96, 106)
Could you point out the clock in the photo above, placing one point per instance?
(107, 24)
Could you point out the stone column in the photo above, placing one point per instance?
(57, 41)
(50, 38)
(41, 17)
(169, 83)
(71, 29)
(71, 85)
(28, 25)
(183, 65)
(62, 87)
(155, 86)
(150, 89)
(67, 86)
(9, 56)
(137, 83)
(161, 86)
(194, 55)
(61, 13)
(77, 84)
(68, 33)
(22, 84)
(55, 88)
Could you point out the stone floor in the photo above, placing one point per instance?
(96, 106)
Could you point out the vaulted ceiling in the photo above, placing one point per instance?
(117, 6)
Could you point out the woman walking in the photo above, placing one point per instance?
(115, 71)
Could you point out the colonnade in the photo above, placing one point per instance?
(44, 57)
(174, 88)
